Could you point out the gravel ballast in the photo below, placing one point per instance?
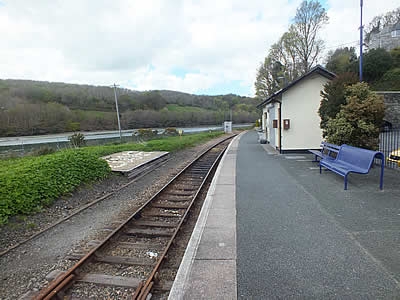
(24, 268)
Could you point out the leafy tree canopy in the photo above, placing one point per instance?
(36, 107)
(395, 54)
(375, 63)
(333, 97)
(390, 81)
(340, 60)
(295, 53)
(309, 19)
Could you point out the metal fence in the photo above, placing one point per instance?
(389, 144)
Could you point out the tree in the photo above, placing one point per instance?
(279, 67)
(395, 54)
(309, 19)
(295, 52)
(358, 122)
(390, 81)
(375, 63)
(340, 60)
(286, 61)
(265, 84)
(333, 97)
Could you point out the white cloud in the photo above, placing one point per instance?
(139, 43)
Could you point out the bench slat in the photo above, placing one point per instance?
(353, 160)
(328, 151)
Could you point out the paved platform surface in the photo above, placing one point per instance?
(297, 234)
(208, 269)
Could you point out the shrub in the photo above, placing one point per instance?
(395, 54)
(358, 122)
(390, 81)
(333, 97)
(146, 133)
(170, 131)
(77, 140)
(44, 150)
(73, 126)
(28, 184)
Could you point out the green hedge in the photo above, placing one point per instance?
(29, 183)
(161, 144)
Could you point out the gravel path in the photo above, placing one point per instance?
(24, 268)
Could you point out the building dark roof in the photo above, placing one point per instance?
(318, 69)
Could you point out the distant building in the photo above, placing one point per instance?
(387, 38)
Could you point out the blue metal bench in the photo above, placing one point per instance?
(328, 151)
(353, 159)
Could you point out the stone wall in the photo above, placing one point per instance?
(392, 103)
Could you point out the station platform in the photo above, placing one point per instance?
(272, 227)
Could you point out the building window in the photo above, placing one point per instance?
(396, 33)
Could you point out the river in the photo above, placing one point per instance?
(96, 135)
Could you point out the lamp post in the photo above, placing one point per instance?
(361, 41)
(116, 106)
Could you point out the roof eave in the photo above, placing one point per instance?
(317, 69)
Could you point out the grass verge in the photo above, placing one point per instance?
(28, 184)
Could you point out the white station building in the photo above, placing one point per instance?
(290, 119)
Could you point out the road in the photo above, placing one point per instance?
(96, 135)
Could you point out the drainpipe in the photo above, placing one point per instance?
(280, 127)
(361, 42)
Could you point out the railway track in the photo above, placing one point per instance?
(138, 247)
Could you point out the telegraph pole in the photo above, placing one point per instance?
(116, 106)
(361, 42)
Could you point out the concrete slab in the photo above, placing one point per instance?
(227, 179)
(222, 218)
(127, 161)
(230, 166)
(223, 191)
(224, 211)
(269, 149)
(217, 243)
(221, 201)
(296, 157)
(221, 283)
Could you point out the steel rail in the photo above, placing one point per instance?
(144, 290)
(77, 211)
(64, 279)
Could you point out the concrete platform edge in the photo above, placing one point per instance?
(182, 277)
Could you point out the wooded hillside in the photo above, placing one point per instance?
(36, 107)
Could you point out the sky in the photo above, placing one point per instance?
(195, 46)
